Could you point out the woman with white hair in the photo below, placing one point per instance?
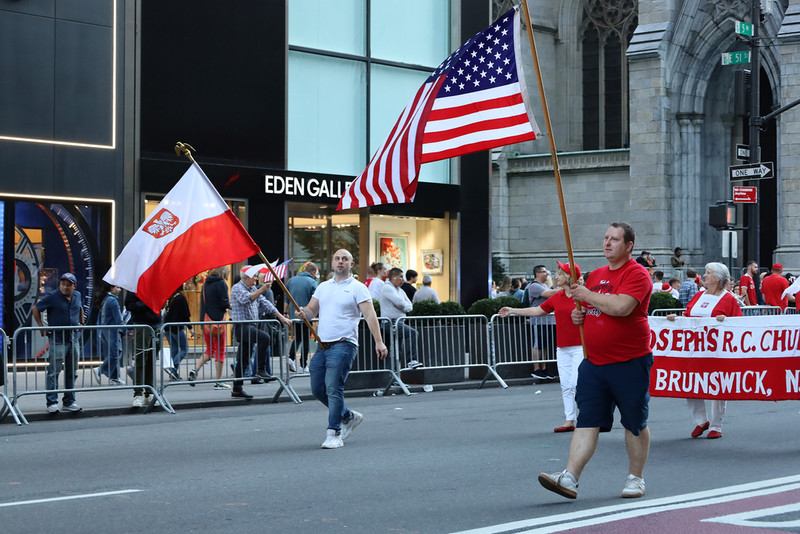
(715, 302)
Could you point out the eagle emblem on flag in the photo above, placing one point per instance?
(163, 223)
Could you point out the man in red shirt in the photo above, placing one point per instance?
(772, 288)
(617, 371)
(747, 284)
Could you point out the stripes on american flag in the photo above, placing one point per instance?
(475, 100)
(280, 270)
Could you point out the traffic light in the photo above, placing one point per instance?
(722, 215)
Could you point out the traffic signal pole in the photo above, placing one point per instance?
(753, 223)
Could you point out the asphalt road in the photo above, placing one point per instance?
(438, 462)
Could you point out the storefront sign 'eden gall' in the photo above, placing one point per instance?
(304, 186)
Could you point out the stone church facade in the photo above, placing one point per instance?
(645, 126)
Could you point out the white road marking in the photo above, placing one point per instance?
(743, 519)
(606, 514)
(68, 498)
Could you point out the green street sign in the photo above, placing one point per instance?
(743, 28)
(735, 58)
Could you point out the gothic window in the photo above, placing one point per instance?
(606, 32)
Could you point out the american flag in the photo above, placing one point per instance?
(475, 100)
(280, 270)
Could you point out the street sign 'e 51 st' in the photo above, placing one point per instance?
(735, 58)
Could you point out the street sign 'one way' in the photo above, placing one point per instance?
(754, 171)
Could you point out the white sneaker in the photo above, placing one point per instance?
(292, 366)
(305, 370)
(413, 364)
(634, 487)
(52, 408)
(560, 483)
(116, 382)
(348, 427)
(96, 374)
(71, 407)
(138, 401)
(333, 440)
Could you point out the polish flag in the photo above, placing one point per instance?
(190, 231)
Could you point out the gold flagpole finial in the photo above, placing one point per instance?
(184, 149)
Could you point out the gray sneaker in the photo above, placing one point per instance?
(333, 440)
(71, 407)
(559, 483)
(348, 427)
(634, 487)
(52, 408)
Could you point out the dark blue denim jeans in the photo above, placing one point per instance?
(329, 370)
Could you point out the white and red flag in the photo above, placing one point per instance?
(191, 230)
(475, 100)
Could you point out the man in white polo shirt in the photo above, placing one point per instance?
(339, 303)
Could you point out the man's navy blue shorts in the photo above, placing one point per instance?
(625, 385)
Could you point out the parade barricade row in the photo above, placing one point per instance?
(516, 340)
(7, 406)
(189, 347)
(366, 361)
(38, 355)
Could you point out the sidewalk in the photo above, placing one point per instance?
(117, 401)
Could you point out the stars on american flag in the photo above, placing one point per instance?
(486, 60)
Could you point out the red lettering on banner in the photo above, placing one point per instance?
(763, 337)
(663, 339)
(677, 337)
(712, 339)
(727, 338)
(744, 343)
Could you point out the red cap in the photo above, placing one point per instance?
(565, 267)
(665, 287)
(777, 267)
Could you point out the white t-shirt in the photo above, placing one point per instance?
(375, 287)
(338, 309)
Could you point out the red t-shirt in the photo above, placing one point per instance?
(746, 281)
(567, 332)
(772, 287)
(618, 339)
(727, 306)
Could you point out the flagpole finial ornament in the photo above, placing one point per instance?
(184, 149)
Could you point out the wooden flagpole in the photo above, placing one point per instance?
(553, 157)
(185, 150)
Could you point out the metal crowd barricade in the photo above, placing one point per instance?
(516, 340)
(7, 406)
(791, 311)
(221, 348)
(449, 341)
(32, 356)
(663, 312)
(757, 311)
(366, 360)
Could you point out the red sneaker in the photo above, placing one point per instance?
(564, 429)
(714, 435)
(699, 429)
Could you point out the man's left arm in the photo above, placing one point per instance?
(368, 311)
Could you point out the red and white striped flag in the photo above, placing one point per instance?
(280, 270)
(191, 230)
(475, 100)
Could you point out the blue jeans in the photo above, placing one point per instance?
(111, 347)
(63, 352)
(178, 345)
(329, 369)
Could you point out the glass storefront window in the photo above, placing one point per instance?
(334, 26)
(327, 114)
(316, 232)
(416, 34)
